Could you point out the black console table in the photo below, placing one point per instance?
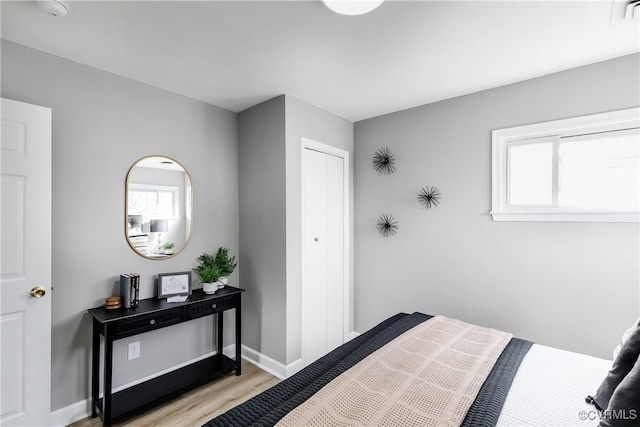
(150, 315)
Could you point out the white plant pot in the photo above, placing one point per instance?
(224, 281)
(210, 288)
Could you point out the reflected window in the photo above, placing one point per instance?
(153, 201)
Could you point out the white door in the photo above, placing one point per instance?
(324, 275)
(25, 253)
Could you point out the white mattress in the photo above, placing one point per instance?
(550, 387)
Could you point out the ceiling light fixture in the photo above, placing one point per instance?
(352, 7)
(54, 7)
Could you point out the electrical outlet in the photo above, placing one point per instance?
(134, 350)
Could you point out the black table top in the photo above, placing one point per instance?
(151, 305)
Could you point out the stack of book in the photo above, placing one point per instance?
(130, 289)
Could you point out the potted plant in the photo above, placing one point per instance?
(210, 276)
(168, 248)
(215, 270)
(226, 264)
(208, 272)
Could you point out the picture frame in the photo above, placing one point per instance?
(172, 284)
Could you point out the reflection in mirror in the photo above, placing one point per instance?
(158, 202)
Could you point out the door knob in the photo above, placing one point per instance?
(38, 292)
(316, 239)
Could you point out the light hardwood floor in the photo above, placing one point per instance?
(202, 404)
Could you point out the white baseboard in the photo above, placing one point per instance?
(70, 414)
(352, 335)
(81, 410)
(270, 365)
(294, 367)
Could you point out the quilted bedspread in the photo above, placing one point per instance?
(273, 405)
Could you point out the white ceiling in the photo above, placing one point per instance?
(235, 54)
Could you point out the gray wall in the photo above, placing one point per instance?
(102, 124)
(305, 120)
(270, 217)
(569, 285)
(261, 132)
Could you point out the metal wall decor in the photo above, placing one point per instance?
(387, 226)
(429, 197)
(383, 161)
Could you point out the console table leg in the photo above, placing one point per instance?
(219, 335)
(108, 364)
(238, 336)
(95, 367)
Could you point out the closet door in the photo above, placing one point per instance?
(324, 254)
(335, 252)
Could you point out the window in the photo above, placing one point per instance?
(581, 169)
(153, 201)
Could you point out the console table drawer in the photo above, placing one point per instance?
(146, 323)
(206, 308)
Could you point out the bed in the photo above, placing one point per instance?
(508, 382)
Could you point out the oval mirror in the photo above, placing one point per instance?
(158, 207)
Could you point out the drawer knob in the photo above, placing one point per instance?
(214, 305)
(152, 322)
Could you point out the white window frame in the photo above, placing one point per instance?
(152, 188)
(503, 139)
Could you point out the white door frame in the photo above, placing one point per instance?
(309, 144)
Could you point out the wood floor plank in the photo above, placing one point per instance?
(202, 404)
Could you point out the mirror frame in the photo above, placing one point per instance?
(126, 209)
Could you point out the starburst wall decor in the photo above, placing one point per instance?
(387, 226)
(383, 161)
(429, 197)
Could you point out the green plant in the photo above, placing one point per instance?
(226, 264)
(209, 274)
(205, 269)
(169, 245)
(211, 268)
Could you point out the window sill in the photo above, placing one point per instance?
(566, 216)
